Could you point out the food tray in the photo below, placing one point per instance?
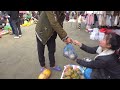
(74, 66)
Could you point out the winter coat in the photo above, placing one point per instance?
(14, 15)
(105, 65)
(48, 23)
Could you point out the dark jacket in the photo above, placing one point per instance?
(60, 15)
(47, 25)
(105, 66)
(14, 15)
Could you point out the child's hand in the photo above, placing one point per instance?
(75, 42)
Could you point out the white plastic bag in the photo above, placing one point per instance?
(96, 30)
(94, 36)
(69, 52)
(101, 36)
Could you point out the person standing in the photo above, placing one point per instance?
(50, 23)
(15, 21)
(67, 15)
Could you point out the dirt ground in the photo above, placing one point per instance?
(19, 60)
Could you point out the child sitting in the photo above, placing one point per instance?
(106, 65)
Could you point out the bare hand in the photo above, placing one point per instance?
(75, 42)
(68, 40)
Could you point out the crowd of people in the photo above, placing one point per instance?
(13, 20)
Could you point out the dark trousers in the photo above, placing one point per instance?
(51, 44)
(21, 21)
(13, 31)
(16, 26)
(21, 18)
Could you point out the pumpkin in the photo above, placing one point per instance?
(42, 76)
(47, 72)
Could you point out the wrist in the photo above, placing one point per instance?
(80, 45)
(65, 38)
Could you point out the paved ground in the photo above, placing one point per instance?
(19, 60)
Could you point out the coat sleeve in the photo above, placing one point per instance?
(56, 26)
(88, 49)
(95, 64)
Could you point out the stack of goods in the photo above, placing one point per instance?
(72, 72)
(28, 23)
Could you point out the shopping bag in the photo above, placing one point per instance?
(87, 73)
(69, 52)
